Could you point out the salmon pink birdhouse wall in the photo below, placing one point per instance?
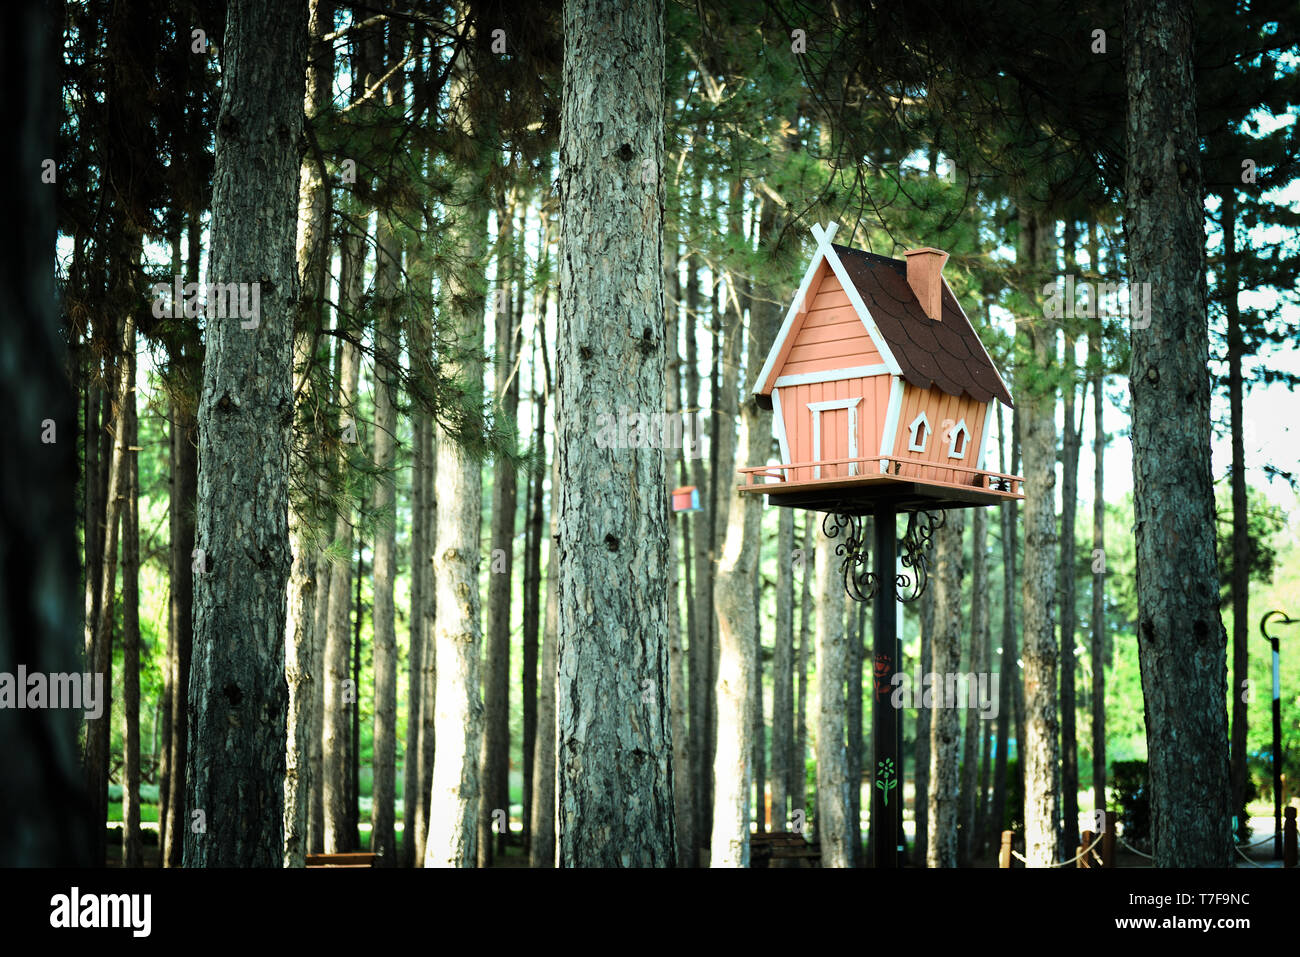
(879, 387)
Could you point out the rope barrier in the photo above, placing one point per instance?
(1245, 858)
(1082, 851)
(1263, 840)
(1097, 840)
(1149, 857)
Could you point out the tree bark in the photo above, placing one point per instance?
(783, 763)
(924, 721)
(799, 766)
(542, 851)
(832, 668)
(301, 663)
(45, 820)
(739, 680)
(101, 653)
(340, 694)
(1181, 641)
(429, 655)
(184, 568)
(971, 794)
(1037, 402)
(383, 835)
(1098, 647)
(458, 630)
(1070, 442)
(131, 846)
(855, 628)
(1009, 669)
(1240, 570)
(615, 778)
(679, 691)
(238, 696)
(496, 661)
(945, 726)
(533, 543)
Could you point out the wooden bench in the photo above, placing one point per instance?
(355, 859)
(767, 847)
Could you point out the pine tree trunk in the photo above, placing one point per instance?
(739, 678)
(44, 822)
(1037, 404)
(542, 851)
(799, 766)
(679, 691)
(976, 664)
(1240, 568)
(532, 608)
(1181, 640)
(383, 835)
(496, 661)
(429, 655)
(924, 722)
(411, 797)
(238, 695)
(783, 753)
(340, 695)
(101, 654)
(131, 846)
(301, 664)
(737, 628)
(855, 629)
(1009, 674)
(184, 571)
(614, 742)
(1097, 360)
(458, 635)
(1070, 442)
(832, 669)
(945, 727)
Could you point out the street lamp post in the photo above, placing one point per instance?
(1284, 619)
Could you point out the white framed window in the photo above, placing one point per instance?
(817, 408)
(958, 439)
(920, 430)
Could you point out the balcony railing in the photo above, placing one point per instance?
(902, 467)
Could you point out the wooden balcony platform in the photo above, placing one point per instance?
(864, 493)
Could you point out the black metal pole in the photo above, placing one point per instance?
(886, 789)
(902, 755)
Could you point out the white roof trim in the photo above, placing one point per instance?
(825, 251)
(842, 274)
(796, 307)
(831, 375)
(895, 409)
(781, 439)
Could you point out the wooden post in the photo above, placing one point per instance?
(1289, 847)
(1085, 859)
(1004, 853)
(1108, 841)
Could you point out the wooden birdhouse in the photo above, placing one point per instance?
(881, 390)
(686, 499)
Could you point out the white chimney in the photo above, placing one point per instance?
(925, 276)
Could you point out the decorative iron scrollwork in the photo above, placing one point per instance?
(915, 551)
(855, 555)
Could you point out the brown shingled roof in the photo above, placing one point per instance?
(943, 355)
